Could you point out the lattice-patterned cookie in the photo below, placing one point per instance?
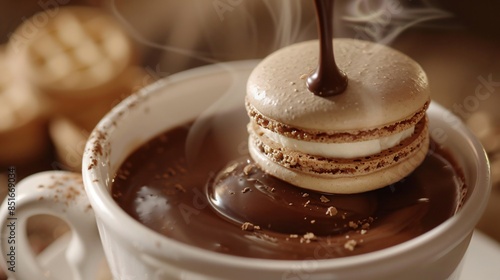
(78, 51)
(78, 59)
(69, 141)
(133, 78)
(69, 135)
(487, 129)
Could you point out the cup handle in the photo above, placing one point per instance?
(60, 194)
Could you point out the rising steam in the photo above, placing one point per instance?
(383, 21)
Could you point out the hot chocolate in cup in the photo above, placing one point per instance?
(206, 96)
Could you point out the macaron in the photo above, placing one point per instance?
(373, 134)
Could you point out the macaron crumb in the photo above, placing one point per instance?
(350, 245)
(308, 238)
(332, 211)
(248, 169)
(325, 144)
(247, 226)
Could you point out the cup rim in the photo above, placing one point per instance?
(107, 210)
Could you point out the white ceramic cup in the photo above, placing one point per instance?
(134, 251)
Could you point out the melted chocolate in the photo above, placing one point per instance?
(327, 80)
(264, 217)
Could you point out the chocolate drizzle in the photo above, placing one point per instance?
(327, 80)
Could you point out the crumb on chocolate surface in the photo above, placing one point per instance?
(350, 245)
(247, 170)
(332, 211)
(324, 199)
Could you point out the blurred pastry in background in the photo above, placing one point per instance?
(495, 171)
(70, 135)
(487, 129)
(23, 119)
(79, 60)
(133, 79)
(69, 141)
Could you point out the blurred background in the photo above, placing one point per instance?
(65, 63)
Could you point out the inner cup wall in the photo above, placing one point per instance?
(448, 130)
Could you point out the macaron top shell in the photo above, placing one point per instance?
(384, 87)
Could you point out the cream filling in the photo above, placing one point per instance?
(340, 150)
